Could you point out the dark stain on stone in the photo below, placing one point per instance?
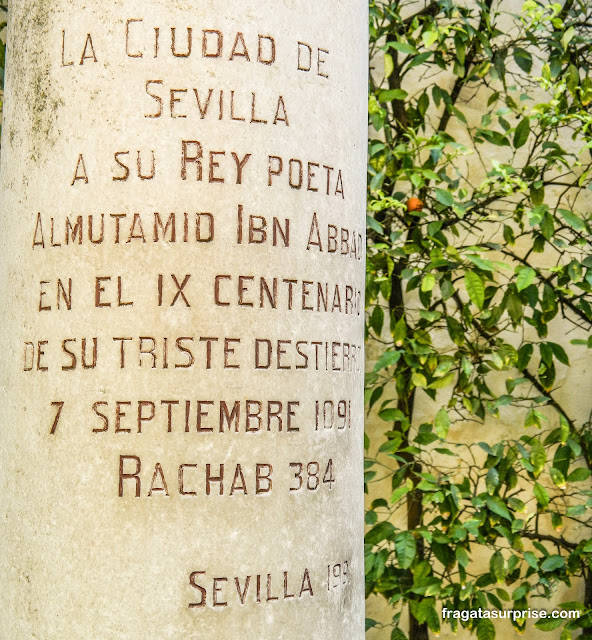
(31, 61)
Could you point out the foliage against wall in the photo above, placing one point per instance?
(468, 289)
(465, 295)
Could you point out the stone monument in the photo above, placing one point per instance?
(182, 271)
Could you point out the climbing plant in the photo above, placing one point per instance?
(479, 275)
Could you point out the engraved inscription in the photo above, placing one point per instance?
(194, 308)
(250, 589)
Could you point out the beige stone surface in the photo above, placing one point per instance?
(110, 528)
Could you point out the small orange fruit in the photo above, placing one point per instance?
(414, 204)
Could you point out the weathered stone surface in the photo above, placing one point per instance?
(182, 231)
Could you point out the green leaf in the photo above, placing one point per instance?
(431, 175)
(458, 113)
(564, 429)
(492, 480)
(562, 458)
(442, 423)
(377, 319)
(444, 197)
(370, 623)
(433, 620)
(461, 48)
(455, 330)
(573, 79)
(369, 563)
(400, 332)
(424, 611)
(428, 282)
(403, 47)
(429, 37)
(524, 356)
(514, 307)
(579, 475)
(495, 137)
(421, 571)
(392, 94)
(440, 383)
(423, 103)
(485, 630)
(547, 225)
(418, 380)
(567, 37)
(400, 492)
(444, 367)
(538, 457)
(482, 263)
(576, 510)
(530, 557)
(521, 591)
(462, 556)
(540, 493)
(522, 133)
(557, 477)
(532, 419)
(387, 359)
(503, 594)
(427, 587)
(497, 567)
(516, 504)
(380, 532)
(389, 65)
(526, 276)
(405, 549)
(375, 397)
(537, 193)
(559, 353)
(548, 624)
(572, 219)
(523, 59)
(475, 288)
(391, 415)
(374, 225)
(497, 505)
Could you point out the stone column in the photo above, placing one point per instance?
(182, 264)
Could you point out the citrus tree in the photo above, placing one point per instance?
(479, 266)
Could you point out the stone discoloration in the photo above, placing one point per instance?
(29, 72)
(181, 397)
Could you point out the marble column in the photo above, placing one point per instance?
(182, 272)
